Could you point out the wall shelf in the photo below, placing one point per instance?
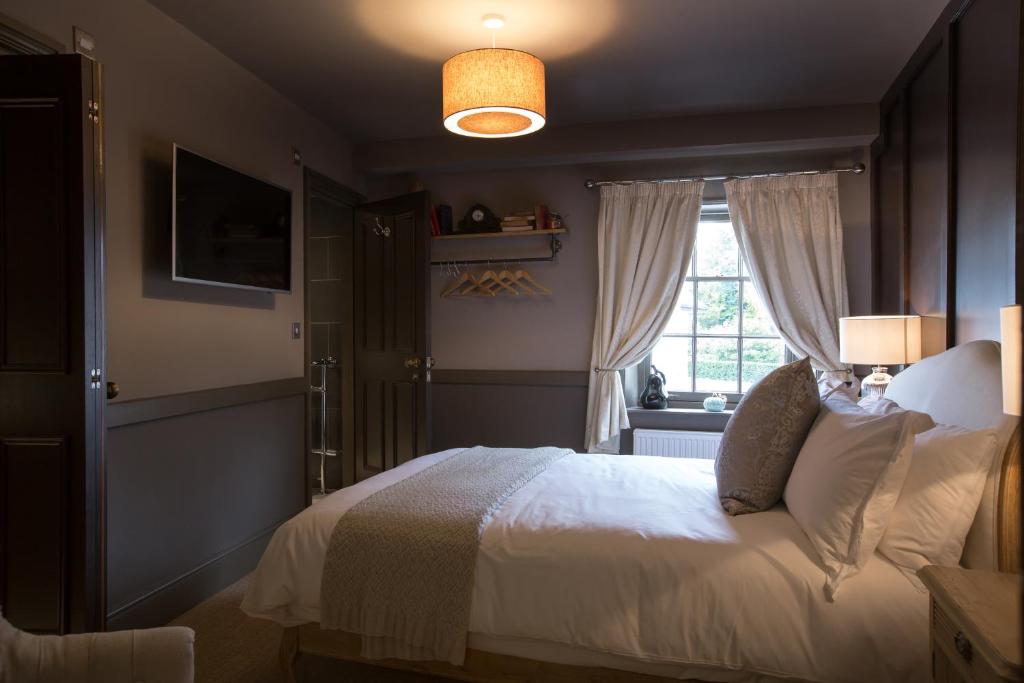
(484, 235)
(553, 242)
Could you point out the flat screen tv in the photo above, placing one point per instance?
(229, 229)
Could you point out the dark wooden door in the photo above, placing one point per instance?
(392, 339)
(51, 344)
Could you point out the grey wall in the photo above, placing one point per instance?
(162, 84)
(555, 333)
(196, 482)
(495, 347)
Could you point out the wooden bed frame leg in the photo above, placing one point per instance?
(288, 653)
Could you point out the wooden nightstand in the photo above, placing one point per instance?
(975, 625)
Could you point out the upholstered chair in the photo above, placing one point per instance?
(156, 655)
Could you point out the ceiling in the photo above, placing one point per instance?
(371, 68)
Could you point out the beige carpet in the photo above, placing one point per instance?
(234, 648)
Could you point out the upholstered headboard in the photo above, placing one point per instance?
(963, 387)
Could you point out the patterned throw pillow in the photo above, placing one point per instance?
(763, 438)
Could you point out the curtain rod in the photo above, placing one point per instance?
(856, 169)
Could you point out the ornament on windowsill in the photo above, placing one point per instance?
(654, 396)
(715, 403)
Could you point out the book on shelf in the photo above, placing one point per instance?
(516, 224)
(444, 218)
(516, 228)
(435, 226)
(540, 215)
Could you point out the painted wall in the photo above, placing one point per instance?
(555, 333)
(163, 84)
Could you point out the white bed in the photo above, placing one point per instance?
(629, 562)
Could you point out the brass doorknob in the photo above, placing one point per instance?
(113, 390)
(413, 362)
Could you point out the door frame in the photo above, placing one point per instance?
(314, 185)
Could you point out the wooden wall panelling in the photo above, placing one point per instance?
(947, 176)
(889, 213)
(197, 483)
(987, 48)
(507, 408)
(927, 200)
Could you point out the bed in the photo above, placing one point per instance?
(623, 568)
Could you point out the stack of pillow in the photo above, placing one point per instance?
(856, 478)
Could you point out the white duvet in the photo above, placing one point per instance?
(630, 562)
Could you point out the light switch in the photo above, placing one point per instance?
(296, 330)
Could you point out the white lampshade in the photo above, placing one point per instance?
(880, 339)
(1010, 333)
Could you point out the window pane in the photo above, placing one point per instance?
(674, 357)
(681, 321)
(717, 366)
(755, 316)
(718, 307)
(761, 356)
(717, 253)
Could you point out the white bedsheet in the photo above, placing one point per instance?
(629, 561)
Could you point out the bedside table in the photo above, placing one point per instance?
(975, 625)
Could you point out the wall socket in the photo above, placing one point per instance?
(296, 330)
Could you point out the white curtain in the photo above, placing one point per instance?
(644, 241)
(791, 238)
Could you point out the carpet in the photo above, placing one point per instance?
(232, 647)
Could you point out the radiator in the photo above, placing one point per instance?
(676, 444)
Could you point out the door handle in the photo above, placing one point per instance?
(112, 390)
(413, 362)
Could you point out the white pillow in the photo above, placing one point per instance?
(940, 497)
(883, 406)
(845, 483)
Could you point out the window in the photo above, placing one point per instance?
(720, 337)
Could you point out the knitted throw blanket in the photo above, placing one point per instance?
(400, 564)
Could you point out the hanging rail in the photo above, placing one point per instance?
(855, 169)
(554, 244)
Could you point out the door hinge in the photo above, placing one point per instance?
(96, 379)
(93, 111)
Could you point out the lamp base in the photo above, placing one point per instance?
(874, 385)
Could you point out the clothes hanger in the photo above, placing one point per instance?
(524, 275)
(508, 276)
(466, 278)
(490, 283)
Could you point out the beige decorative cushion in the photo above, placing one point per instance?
(763, 438)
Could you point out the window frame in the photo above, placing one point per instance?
(711, 212)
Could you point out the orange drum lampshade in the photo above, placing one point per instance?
(493, 93)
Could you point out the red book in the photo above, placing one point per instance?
(435, 226)
(540, 213)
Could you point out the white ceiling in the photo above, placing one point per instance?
(371, 68)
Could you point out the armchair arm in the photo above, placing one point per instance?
(157, 655)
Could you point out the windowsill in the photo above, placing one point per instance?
(696, 419)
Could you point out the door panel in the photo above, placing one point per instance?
(391, 294)
(35, 581)
(51, 342)
(34, 295)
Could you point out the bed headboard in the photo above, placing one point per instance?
(963, 387)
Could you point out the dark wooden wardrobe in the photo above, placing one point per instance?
(52, 388)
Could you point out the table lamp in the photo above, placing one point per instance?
(1009, 334)
(879, 341)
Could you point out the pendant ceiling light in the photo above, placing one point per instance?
(493, 92)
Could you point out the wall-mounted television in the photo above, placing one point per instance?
(229, 229)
